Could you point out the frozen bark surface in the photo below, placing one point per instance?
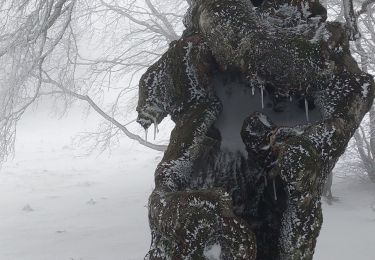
(263, 201)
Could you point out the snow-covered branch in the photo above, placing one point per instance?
(47, 79)
(364, 7)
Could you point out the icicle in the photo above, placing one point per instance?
(146, 132)
(156, 129)
(262, 93)
(253, 90)
(274, 189)
(265, 180)
(307, 110)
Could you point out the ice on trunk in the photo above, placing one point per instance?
(156, 129)
(307, 110)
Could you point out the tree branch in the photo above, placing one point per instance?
(364, 7)
(112, 120)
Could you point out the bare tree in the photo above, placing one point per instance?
(359, 17)
(44, 46)
(364, 48)
(30, 32)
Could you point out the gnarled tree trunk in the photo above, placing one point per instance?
(265, 101)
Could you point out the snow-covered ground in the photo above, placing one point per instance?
(56, 204)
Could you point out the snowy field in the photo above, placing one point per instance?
(56, 204)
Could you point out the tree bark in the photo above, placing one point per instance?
(261, 198)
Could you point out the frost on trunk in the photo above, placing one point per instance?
(265, 101)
